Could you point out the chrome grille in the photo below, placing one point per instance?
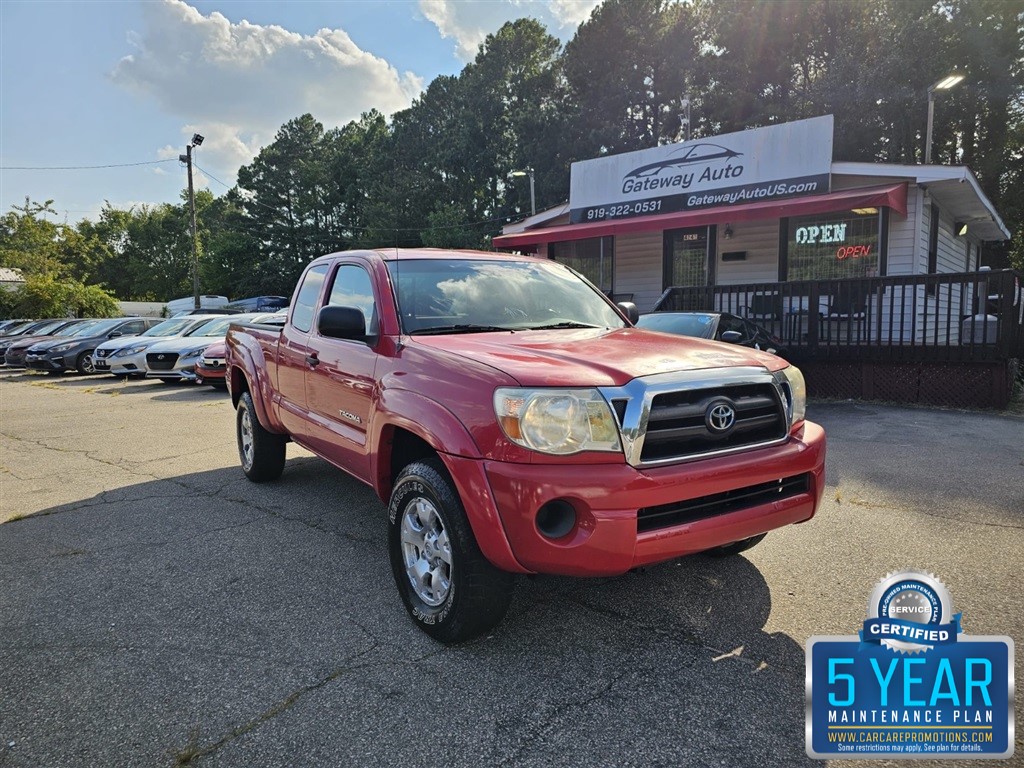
(669, 417)
(677, 425)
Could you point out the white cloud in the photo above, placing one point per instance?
(469, 23)
(572, 13)
(452, 23)
(236, 84)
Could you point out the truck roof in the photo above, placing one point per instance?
(408, 254)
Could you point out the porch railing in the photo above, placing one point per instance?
(952, 316)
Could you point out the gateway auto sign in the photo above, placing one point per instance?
(760, 164)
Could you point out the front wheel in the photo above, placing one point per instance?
(84, 363)
(449, 588)
(261, 452)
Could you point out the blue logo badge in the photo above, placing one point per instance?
(911, 684)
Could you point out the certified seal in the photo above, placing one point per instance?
(910, 611)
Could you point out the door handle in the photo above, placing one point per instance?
(312, 360)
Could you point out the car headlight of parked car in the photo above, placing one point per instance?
(195, 352)
(130, 351)
(557, 421)
(796, 393)
(58, 348)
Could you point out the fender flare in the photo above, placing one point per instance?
(439, 428)
(243, 364)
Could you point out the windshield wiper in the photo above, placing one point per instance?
(563, 324)
(438, 330)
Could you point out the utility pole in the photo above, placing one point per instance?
(187, 159)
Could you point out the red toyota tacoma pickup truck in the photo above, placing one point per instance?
(514, 421)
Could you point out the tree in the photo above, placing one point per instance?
(627, 69)
(49, 296)
(28, 241)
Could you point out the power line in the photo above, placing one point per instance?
(80, 167)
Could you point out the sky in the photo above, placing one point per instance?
(104, 83)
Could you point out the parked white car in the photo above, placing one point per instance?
(127, 357)
(175, 359)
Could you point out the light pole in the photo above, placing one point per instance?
(187, 159)
(533, 197)
(942, 85)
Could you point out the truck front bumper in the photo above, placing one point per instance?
(627, 517)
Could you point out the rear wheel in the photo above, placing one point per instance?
(83, 364)
(262, 453)
(736, 547)
(449, 588)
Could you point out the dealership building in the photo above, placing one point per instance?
(865, 270)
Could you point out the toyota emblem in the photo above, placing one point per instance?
(720, 417)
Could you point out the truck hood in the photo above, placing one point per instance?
(594, 357)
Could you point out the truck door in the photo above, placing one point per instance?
(291, 353)
(340, 383)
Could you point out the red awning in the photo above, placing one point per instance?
(893, 196)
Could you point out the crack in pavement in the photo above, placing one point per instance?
(193, 750)
(860, 502)
(552, 720)
(685, 636)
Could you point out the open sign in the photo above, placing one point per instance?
(852, 252)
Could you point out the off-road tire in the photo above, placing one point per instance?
(260, 452)
(726, 550)
(479, 594)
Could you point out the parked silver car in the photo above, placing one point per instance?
(175, 359)
(127, 357)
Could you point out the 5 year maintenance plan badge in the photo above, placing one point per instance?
(911, 683)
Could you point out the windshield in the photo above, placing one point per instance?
(169, 327)
(82, 329)
(49, 327)
(96, 328)
(464, 296)
(701, 326)
(216, 327)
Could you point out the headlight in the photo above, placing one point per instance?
(195, 352)
(61, 348)
(796, 393)
(130, 351)
(558, 421)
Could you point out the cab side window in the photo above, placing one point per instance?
(352, 288)
(133, 328)
(305, 301)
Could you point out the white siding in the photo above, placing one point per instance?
(638, 267)
(760, 240)
(901, 236)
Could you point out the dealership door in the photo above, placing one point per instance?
(686, 258)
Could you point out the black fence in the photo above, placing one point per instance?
(956, 317)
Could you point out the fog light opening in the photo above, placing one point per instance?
(556, 519)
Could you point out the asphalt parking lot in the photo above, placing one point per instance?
(157, 609)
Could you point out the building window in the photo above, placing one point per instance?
(833, 245)
(593, 258)
(686, 257)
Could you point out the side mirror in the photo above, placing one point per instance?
(629, 309)
(113, 334)
(342, 323)
(732, 337)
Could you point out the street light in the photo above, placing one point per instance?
(187, 159)
(944, 84)
(533, 198)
